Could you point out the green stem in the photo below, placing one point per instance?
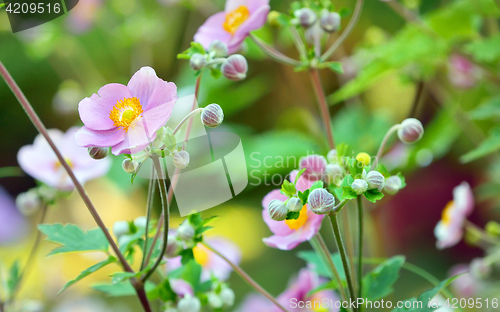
(188, 116)
(321, 249)
(384, 142)
(273, 53)
(246, 277)
(151, 192)
(343, 256)
(360, 246)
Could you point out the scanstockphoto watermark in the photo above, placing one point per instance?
(327, 303)
(267, 170)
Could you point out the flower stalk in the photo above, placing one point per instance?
(390, 132)
(323, 106)
(360, 245)
(151, 191)
(273, 53)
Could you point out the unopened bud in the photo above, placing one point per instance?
(212, 116)
(334, 173)
(185, 231)
(359, 186)
(277, 210)
(47, 193)
(214, 301)
(315, 166)
(329, 21)
(493, 228)
(227, 296)
(294, 204)
(28, 203)
(130, 166)
(306, 16)
(411, 130)
(181, 159)
(235, 67)
(480, 269)
(320, 201)
(125, 239)
(332, 156)
(98, 152)
(189, 304)
(272, 18)
(392, 185)
(174, 247)
(141, 222)
(121, 228)
(363, 158)
(219, 48)
(198, 61)
(375, 180)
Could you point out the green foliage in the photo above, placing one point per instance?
(335, 67)
(487, 110)
(121, 289)
(88, 271)
(191, 273)
(187, 256)
(316, 185)
(304, 196)
(373, 195)
(74, 239)
(195, 48)
(485, 50)
(487, 147)
(319, 266)
(288, 189)
(293, 215)
(379, 283)
(13, 277)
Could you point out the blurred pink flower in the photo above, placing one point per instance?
(81, 18)
(289, 234)
(13, 226)
(126, 118)
(256, 302)
(315, 166)
(181, 287)
(234, 24)
(298, 292)
(40, 161)
(210, 262)
(449, 231)
(465, 286)
(462, 72)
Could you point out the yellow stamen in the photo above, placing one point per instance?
(235, 18)
(298, 223)
(201, 255)
(446, 217)
(58, 165)
(126, 113)
(363, 158)
(316, 304)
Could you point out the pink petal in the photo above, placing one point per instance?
(87, 137)
(464, 198)
(181, 287)
(212, 30)
(163, 93)
(303, 183)
(256, 21)
(255, 5)
(284, 242)
(39, 162)
(94, 111)
(142, 85)
(232, 5)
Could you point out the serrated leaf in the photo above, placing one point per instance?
(379, 283)
(74, 239)
(488, 146)
(304, 196)
(87, 272)
(288, 188)
(373, 195)
(317, 185)
(348, 193)
(293, 215)
(187, 255)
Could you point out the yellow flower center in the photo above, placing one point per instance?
(126, 113)
(298, 223)
(201, 255)
(57, 164)
(235, 18)
(446, 217)
(317, 304)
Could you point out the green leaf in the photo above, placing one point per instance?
(373, 195)
(298, 176)
(488, 146)
(304, 196)
(13, 277)
(487, 110)
(293, 215)
(317, 185)
(319, 267)
(74, 239)
(288, 188)
(215, 72)
(348, 193)
(119, 277)
(191, 273)
(187, 256)
(485, 50)
(88, 271)
(336, 67)
(121, 289)
(379, 283)
(342, 150)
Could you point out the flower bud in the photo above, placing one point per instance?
(189, 304)
(185, 231)
(125, 239)
(212, 116)
(320, 201)
(359, 186)
(28, 203)
(174, 247)
(363, 158)
(375, 180)
(130, 166)
(277, 210)
(98, 152)
(411, 130)
(329, 21)
(332, 156)
(120, 228)
(235, 67)
(218, 48)
(480, 269)
(306, 16)
(181, 159)
(141, 222)
(198, 61)
(313, 35)
(493, 228)
(214, 301)
(273, 18)
(393, 184)
(294, 204)
(47, 193)
(227, 296)
(315, 166)
(334, 173)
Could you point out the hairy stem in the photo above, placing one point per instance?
(321, 249)
(360, 246)
(183, 121)
(343, 256)
(151, 195)
(347, 31)
(273, 53)
(83, 194)
(246, 277)
(382, 145)
(323, 106)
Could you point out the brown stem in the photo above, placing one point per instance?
(323, 106)
(143, 298)
(247, 278)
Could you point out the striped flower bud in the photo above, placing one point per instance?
(181, 159)
(294, 204)
(330, 21)
(334, 173)
(98, 152)
(375, 180)
(174, 247)
(411, 130)
(189, 304)
(185, 231)
(227, 296)
(392, 185)
(212, 116)
(28, 203)
(121, 228)
(235, 67)
(130, 166)
(277, 210)
(198, 61)
(332, 156)
(359, 186)
(306, 16)
(218, 48)
(320, 201)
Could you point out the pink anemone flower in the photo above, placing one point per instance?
(234, 24)
(13, 226)
(126, 118)
(289, 234)
(449, 230)
(40, 161)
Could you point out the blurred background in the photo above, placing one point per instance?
(447, 76)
